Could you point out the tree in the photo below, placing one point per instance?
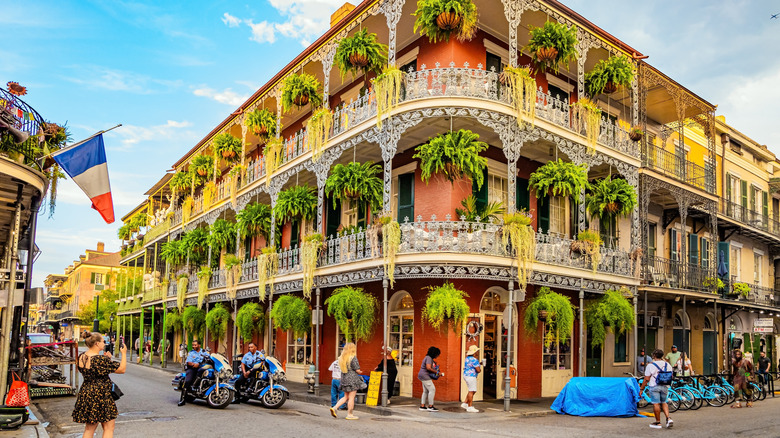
(108, 307)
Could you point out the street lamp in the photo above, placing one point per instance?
(96, 322)
(111, 327)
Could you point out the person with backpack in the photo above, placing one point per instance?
(658, 378)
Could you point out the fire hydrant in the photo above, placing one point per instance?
(309, 378)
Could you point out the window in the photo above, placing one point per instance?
(556, 356)
(96, 278)
(558, 214)
(734, 262)
(299, 350)
(705, 253)
(403, 197)
(497, 189)
(349, 213)
(675, 246)
(757, 261)
(557, 93)
(493, 61)
(651, 245)
(401, 328)
(755, 199)
(621, 347)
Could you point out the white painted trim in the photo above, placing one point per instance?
(734, 174)
(497, 50)
(611, 110)
(411, 167)
(408, 57)
(735, 244)
(759, 252)
(497, 168)
(560, 83)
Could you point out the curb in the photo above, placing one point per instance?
(315, 400)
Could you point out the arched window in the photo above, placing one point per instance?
(708, 324)
(492, 302)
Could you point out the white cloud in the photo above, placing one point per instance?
(131, 135)
(230, 20)
(226, 96)
(262, 32)
(95, 76)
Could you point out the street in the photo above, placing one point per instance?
(149, 409)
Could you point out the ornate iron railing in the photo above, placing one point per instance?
(677, 167)
(749, 217)
(664, 272)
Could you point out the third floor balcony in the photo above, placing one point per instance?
(749, 222)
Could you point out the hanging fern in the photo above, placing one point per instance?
(273, 157)
(222, 236)
(173, 253)
(552, 45)
(254, 220)
(202, 168)
(195, 243)
(522, 89)
(429, 22)
(589, 242)
(300, 90)
(291, 313)
(181, 290)
(608, 74)
(360, 52)
(609, 198)
(612, 312)
(250, 319)
(559, 178)
(209, 194)
(194, 321)
(217, 321)
(204, 276)
(310, 252)
(181, 181)
(354, 311)
(297, 202)
(261, 122)
(233, 268)
(357, 182)
(387, 91)
(228, 147)
(172, 321)
(560, 316)
(454, 154)
(267, 267)
(518, 235)
(186, 210)
(587, 117)
(318, 131)
(124, 232)
(391, 243)
(446, 308)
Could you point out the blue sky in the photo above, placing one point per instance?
(170, 71)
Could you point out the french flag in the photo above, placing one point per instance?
(86, 164)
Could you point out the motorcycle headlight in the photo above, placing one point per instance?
(280, 377)
(226, 374)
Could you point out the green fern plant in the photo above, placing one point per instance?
(360, 52)
(173, 321)
(354, 311)
(608, 75)
(300, 90)
(610, 198)
(387, 91)
(291, 313)
(552, 45)
(559, 178)
(196, 245)
(217, 321)
(202, 168)
(173, 253)
(250, 319)
(612, 312)
(194, 321)
(181, 181)
(356, 181)
(441, 19)
(445, 308)
(471, 211)
(559, 320)
(254, 220)
(297, 202)
(261, 122)
(222, 236)
(124, 232)
(228, 147)
(454, 154)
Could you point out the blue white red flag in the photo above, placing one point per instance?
(86, 165)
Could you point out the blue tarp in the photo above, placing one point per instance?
(598, 397)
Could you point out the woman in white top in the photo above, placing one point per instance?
(686, 370)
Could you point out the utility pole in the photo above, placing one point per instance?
(96, 321)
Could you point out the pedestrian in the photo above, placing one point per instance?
(182, 354)
(763, 367)
(147, 350)
(163, 348)
(392, 370)
(658, 377)
(673, 357)
(683, 366)
(335, 384)
(351, 380)
(470, 370)
(94, 404)
(429, 371)
(742, 371)
(642, 360)
(137, 348)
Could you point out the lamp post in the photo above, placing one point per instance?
(96, 322)
(111, 326)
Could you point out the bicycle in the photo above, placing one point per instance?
(673, 399)
(713, 394)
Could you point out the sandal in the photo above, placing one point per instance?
(749, 405)
(736, 406)
(656, 425)
(333, 413)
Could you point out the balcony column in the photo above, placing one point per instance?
(683, 208)
(511, 174)
(513, 11)
(392, 9)
(327, 65)
(581, 222)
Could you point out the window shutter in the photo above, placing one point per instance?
(673, 255)
(406, 197)
(332, 217)
(92, 278)
(543, 213)
(752, 200)
(523, 195)
(481, 193)
(705, 252)
(728, 188)
(744, 187)
(765, 204)
(693, 249)
(295, 236)
(361, 221)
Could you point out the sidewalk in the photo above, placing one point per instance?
(33, 428)
(408, 406)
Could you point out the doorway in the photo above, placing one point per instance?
(709, 341)
(401, 337)
(592, 358)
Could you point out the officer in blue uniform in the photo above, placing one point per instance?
(194, 361)
(253, 357)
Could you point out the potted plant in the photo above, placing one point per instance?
(713, 284)
(555, 311)
(608, 75)
(254, 220)
(559, 178)
(354, 311)
(194, 321)
(180, 181)
(124, 232)
(173, 253)
(445, 307)
(204, 276)
(387, 91)
(587, 117)
(636, 133)
(228, 147)
(552, 45)
(318, 131)
(741, 290)
(440, 19)
(522, 90)
(291, 313)
(588, 242)
(485, 213)
(222, 236)
(267, 267)
(203, 168)
(233, 268)
(172, 321)
(519, 237)
(357, 182)
(297, 202)
(310, 252)
(217, 321)
(610, 198)
(300, 90)
(454, 154)
(611, 312)
(360, 52)
(250, 319)
(261, 122)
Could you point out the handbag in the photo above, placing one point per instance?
(116, 393)
(18, 394)
(435, 375)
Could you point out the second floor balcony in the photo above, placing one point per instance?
(678, 167)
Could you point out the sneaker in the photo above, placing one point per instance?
(656, 425)
(669, 423)
(333, 413)
(472, 409)
(432, 409)
(423, 408)
(351, 417)
(464, 405)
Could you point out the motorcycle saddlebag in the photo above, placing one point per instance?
(12, 417)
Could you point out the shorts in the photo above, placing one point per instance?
(658, 394)
(471, 383)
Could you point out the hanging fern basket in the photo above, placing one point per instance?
(228, 154)
(301, 100)
(202, 172)
(448, 20)
(546, 54)
(358, 60)
(610, 87)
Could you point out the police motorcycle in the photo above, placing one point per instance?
(264, 383)
(210, 384)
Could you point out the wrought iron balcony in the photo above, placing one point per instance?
(677, 167)
(757, 294)
(746, 216)
(675, 274)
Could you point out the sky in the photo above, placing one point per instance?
(170, 71)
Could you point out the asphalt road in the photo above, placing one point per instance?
(149, 409)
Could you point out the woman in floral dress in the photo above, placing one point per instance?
(351, 380)
(94, 404)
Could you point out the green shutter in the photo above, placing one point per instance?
(543, 213)
(728, 188)
(752, 200)
(744, 187)
(92, 278)
(673, 245)
(523, 195)
(332, 217)
(481, 193)
(765, 204)
(705, 253)
(361, 220)
(406, 197)
(295, 233)
(693, 249)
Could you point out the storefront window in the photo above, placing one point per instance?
(557, 356)
(299, 350)
(402, 329)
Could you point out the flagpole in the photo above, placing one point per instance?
(52, 154)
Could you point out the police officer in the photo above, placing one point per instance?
(249, 360)
(194, 361)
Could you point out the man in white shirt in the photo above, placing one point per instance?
(335, 392)
(656, 391)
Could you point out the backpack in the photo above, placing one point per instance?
(663, 377)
